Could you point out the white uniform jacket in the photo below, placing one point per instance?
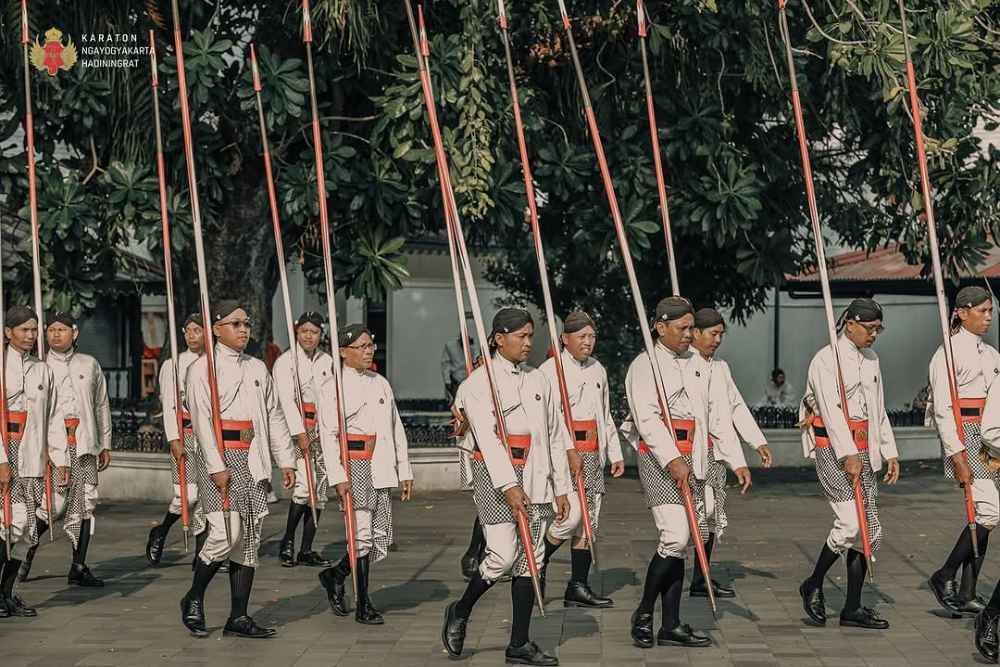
(246, 392)
(721, 416)
(370, 410)
(523, 390)
(31, 388)
(865, 400)
(589, 398)
(313, 374)
(184, 361)
(81, 374)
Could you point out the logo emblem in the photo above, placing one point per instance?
(860, 435)
(53, 55)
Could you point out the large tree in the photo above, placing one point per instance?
(722, 100)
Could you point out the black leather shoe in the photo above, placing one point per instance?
(286, 554)
(579, 594)
(154, 545)
(946, 593)
(80, 575)
(16, 607)
(469, 566)
(4, 610)
(642, 629)
(332, 580)
(193, 616)
(863, 617)
(529, 654)
(29, 558)
(698, 590)
(682, 635)
(453, 631)
(970, 607)
(986, 635)
(813, 602)
(312, 559)
(366, 613)
(244, 626)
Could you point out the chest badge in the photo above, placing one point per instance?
(41, 388)
(381, 401)
(256, 383)
(598, 385)
(538, 397)
(697, 374)
(81, 377)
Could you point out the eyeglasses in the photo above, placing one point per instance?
(364, 347)
(871, 328)
(239, 324)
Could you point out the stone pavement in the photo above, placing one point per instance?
(774, 536)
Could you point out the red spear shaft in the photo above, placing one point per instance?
(817, 229)
(161, 172)
(640, 307)
(942, 300)
(536, 234)
(8, 519)
(324, 221)
(206, 311)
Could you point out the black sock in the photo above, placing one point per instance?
(857, 568)
(655, 576)
(961, 552)
(295, 512)
(43, 527)
(549, 550)
(203, 573)
(240, 585)
(477, 586)
(972, 566)
(9, 576)
(169, 519)
(478, 540)
(308, 532)
(827, 557)
(697, 576)
(670, 596)
(80, 553)
(994, 604)
(580, 560)
(199, 542)
(522, 595)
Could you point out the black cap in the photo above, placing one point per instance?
(225, 307)
(350, 333)
(18, 315)
(673, 308)
(60, 316)
(193, 317)
(310, 317)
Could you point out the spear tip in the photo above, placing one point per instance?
(307, 33)
(253, 69)
(24, 21)
(781, 5)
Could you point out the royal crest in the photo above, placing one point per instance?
(53, 55)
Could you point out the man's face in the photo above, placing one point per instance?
(194, 337)
(233, 330)
(359, 354)
(676, 335)
(60, 337)
(308, 335)
(580, 343)
(23, 336)
(516, 345)
(779, 379)
(863, 334)
(707, 341)
(978, 318)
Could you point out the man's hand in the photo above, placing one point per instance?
(302, 442)
(221, 481)
(4, 477)
(617, 468)
(892, 471)
(342, 490)
(517, 500)
(743, 475)
(103, 460)
(177, 450)
(575, 463)
(62, 476)
(562, 508)
(288, 477)
(679, 470)
(852, 466)
(407, 491)
(963, 474)
(765, 456)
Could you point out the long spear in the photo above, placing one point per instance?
(928, 195)
(654, 137)
(350, 525)
(279, 248)
(161, 172)
(420, 44)
(199, 248)
(36, 271)
(536, 233)
(640, 307)
(7, 510)
(817, 229)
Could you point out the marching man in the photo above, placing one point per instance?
(253, 431)
(378, 462)
(986, 639)
(977, 365)
(36, 435)
(595, 441)
(86, 411)
(532, 477)
(315, 369)
(845, 451)
(188, 450)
